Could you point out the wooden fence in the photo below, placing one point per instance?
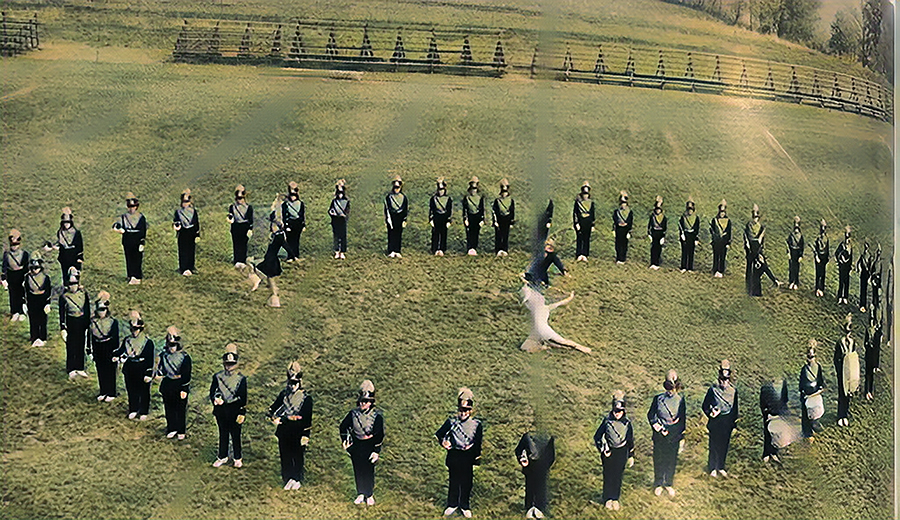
(18, 35)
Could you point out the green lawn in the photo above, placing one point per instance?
(84, 132)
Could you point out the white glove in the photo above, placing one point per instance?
(662, 241)
(373, 458)
(304, 441)
(800, 259)
(276, 421)
(404, 223)
(657, 427)
(680, 446)
(481, 224)
(5, 284)
(448, 223)
(681, 236)
(196, 239)
(592, 229)
(176, 227)
(183, 395)
(218, 401)
(630, 462)
(230, 218)
(64, 334)
(240, 419)
(147, 379)
(48, 248)
(141, 248)
(577, 227)
(115, 360)
(548, 225)
(431, 223)
(249, 233)
(120, 231)
(466, 223)
(628, 236)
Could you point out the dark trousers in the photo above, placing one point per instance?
(621, 244)
(748, 273)
(720, 252)
(863, 289)
(106, 375)
(656, 249)
(665, 458)
(501, 235)
(292, 453)
(439, 235)
(536, 485)
(292, 238)
(363, 469)
(37, 318)
(395, 234)
(187, 250)
(843, 400)
(870, 378)
(239, 240)
(459, 467)
(76, 342)
(339, 232)
(226, 420)
(769, 449)
(820, 276)
(16, 288)
(806, 424)
(613, 468)
(687, 253)
(473, 231)
(138, 391)
(719, 441)
(67, 258)
(843, 291)
(175, 406)
(794, 267)
(582, 246)
(134, 258)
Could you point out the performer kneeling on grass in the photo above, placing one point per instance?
(270, 267)
(536, 452)
(292, 412)
(615, 441)
(103, 341)
(174, 368)
(136, 356)
(74, 319)
(362, 433)
(721, 407)
(461, 436)
(228, 393)
(542, 335)
(667, 417)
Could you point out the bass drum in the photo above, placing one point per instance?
(815, 407)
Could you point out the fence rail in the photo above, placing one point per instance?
(347, 46)
(18, 35)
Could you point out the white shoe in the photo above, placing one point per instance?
(238, 463)
(289, 485)
(38, 343)
(81, 373)
(221, 462)
(529, 513)
(109, 398)
(775, 458)
(467, 513)
(682, 270)
(619, 263)
(392, 254)
(137, 281)
(449, 511)
(72, 375)
(538, 513)
(171, 435)
(671, 491)
(658, 491)
(370, 501)
(472, 252)
(239, 265)
(608, 504)
(616, 505)
(132, 415)
(187, 273)
(766, 458)
(337, 255)
(359, 499)
(438, 253)
(15, 317)
(296, 485)
(143, 417)
(503, 253)
(181, 436)
(723, 473)
(398, 255)
(718, 275)
(255, 280)
(101, 397)
(343, 256)
(713, 473)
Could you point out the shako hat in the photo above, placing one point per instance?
(504, 185)
(36, 261)
(847, 232)
(822, 226)
(366, 392)
(848, 324)
(186, 195)
(473, 183)
(15, 238)
(723, 205)
(796, 221)
(658, 203)
(725, 370)
(293, 188)
(135, 320)
(131, 201)
(295, 372)
(397, 182)
(586, 187)
(240, 192)
(173, 338)
(340, 186)
(811, 351)
(441, 184)
(623, 197)
(672, 382)
(230, 357)
(618, 401)
(755, 213)
(73, 276)
(102, 302)
(465, 399)
(689, 204)
(66, 215)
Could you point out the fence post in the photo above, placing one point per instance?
(794, 87)
(180, 42)
(466, 55)
(745, 80)
(275, 51)
(629, 68)
(567, 62)
(600, 66)
(399, 52)
(499, 58)
(331, 48)
(717, 72)
(534, 61)
(296, 44)
(434, 55)
(770, 80)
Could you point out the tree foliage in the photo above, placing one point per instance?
(845, 34)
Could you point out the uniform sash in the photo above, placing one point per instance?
(293, 209)
(292, 403)
(339, 207)
(794, 239)
(821, 245)
(100, 328)
(473, 204)
(667, 408)
(809, 377)
(656, 220)
(170, 364)
(622, 216)
(395, 202)
(503, 206)
(362, 423)
(228, 383)
(75, 306)
(186, 216)
(688, 222)
(584, 211)
(16, 257)
(65, 237)
(722, 224)
(616, 433)
(134, 346)
(240, 212)
(462, 433)
(724, 398)
(440, 203)
(130, 222)
(36, 282)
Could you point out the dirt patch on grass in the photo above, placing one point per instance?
(80, 52)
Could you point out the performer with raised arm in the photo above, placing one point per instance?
(228, 394)
(362, 433)
(689, 235)
(615, 441)
(339, 211)
(461, 436)
(133, 227)
(292, 412)
(74, 319)
(270, 267)
(103, 341)
(542, 335)
(440, 211)
(583, 222)
(240, 216)
(721, 408)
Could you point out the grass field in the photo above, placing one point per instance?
(81, 128)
